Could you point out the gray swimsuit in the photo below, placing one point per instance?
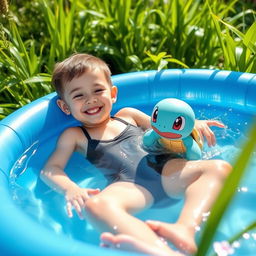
(124, 159)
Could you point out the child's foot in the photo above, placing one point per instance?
(128, 243)
(179, 235)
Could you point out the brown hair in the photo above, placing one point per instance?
(75, 66)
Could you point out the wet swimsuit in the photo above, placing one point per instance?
(124, 159)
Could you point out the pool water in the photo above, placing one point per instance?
(48, 208)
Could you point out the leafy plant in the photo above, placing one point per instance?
(162, 59)
(59, 20)
(21, 72)
(3, 7)
(240, 50)
(128, 35)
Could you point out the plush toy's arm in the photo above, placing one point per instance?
(193, 151)
(150, 138)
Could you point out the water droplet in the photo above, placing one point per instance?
(236, 244)
(246, 236)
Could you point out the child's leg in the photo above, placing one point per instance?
(111, 211)
(201, 182)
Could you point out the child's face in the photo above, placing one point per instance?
(89, 98)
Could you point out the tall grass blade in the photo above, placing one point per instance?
(244, 230)
(250, 38)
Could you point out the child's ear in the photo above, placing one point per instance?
(63, 106)
(114, 93)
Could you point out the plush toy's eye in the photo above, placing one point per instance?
(154, 115)
(179, 123)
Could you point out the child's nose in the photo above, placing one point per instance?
(91, 100)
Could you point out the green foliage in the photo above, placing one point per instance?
(129, 35)
(20, 74)
(59, 20)
(162, 59)
(239, 49)
(3, 7)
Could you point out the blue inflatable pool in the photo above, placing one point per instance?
(33, 219)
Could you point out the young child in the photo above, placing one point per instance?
(136, 179)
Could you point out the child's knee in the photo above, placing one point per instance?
(222, 168)
(95, 205)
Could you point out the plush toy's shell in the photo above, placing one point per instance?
(177, 146)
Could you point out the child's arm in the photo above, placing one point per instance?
(54, 176)
(136, 117)
(53, 172)
(203, 127)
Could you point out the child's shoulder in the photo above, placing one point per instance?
(72, 137)
(128, 111)
(72, 130)
(72, 134)
(134, 116)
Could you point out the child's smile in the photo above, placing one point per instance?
(93, 111)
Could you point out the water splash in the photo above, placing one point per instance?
(22, 195)
(21, 164)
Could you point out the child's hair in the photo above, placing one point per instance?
(75, 66)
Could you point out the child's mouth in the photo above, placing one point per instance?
(93, 111)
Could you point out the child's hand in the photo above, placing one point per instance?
(203, 127)
(76, 198)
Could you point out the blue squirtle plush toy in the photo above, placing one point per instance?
(172, 122)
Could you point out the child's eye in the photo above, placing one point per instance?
(78, 96)
(99, 90)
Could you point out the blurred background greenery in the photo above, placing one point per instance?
(129, 35)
